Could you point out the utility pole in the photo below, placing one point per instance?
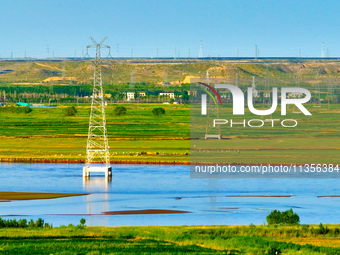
(97, 144)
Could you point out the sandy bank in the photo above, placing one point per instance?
(6, 196)
(147, 211)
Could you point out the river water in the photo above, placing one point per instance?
(138, 187)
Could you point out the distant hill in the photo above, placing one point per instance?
(311, 71)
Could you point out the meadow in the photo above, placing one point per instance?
(252, 239)
(47, 134)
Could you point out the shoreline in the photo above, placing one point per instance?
(82, 161)
(8, 196)
(137, 162)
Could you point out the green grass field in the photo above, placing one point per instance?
(255, 240)
(46, 133)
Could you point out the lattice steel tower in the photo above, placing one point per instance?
(97, 150)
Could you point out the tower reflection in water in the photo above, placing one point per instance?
(97, 202)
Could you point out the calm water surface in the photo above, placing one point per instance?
(136, 187)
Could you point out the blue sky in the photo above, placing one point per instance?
(282, 28)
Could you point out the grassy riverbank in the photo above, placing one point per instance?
(251, 239)
(47, 135)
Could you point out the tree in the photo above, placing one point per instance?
(290, 218)
(70, 111)
(119, 110)
(82, 221)
(39, 223)
(185, 98)
(31, 224)
(158, 111)
(22, 223)
(287, 217)
(322, 230)
(274, 218)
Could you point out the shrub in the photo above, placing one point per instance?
(283, 218)
(17, 110)
(322, 230)
(27, 109)
(70, 111)
(158, 111)
(47, 225)
(119, 110)
(273, 251)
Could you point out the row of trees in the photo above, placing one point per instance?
(121, 110)
(23, 223)
(8, 91)
(72, 111)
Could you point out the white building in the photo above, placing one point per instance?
(295, 95)
(170, 95)
(130, 96)
(266, 94)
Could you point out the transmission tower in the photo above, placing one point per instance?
(200, 54)
(117, 50)
(256, 52)
(132, 80)
(63, 72)
(97, 144)
(323, 50)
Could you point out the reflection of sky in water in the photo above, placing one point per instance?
(136, 187)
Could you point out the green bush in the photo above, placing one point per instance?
(322, 230)
(70, 111)
(283, 218)
(12, 109)
(273, 251)
(26, 109)
(119, 110)
(158, 111)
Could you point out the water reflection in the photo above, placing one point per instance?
(92, 184)
(97, 203)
